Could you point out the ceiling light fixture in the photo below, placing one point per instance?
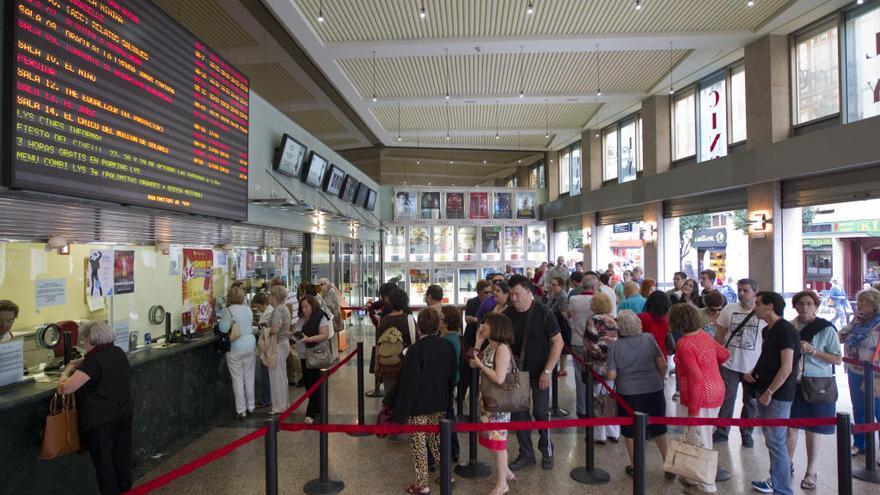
(530, 8)
(484, 162)
(671, 87)
(447, 121)
(418, 150)
(423, 12)
(375, 98)
(750, 3)
(446, 61)
(859, 2)
(398, 123)
(521, 73)
(497, 125)
(321, 12)
(638, 4)
(598, 85)
(546, 129)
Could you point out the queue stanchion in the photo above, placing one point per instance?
(360, 390)
(555, 410)
(323, 485)
(844, 457)
(588, 474)
(869, 473)
(447, 429)
(640, 438)
(271, 456)
(473, 469)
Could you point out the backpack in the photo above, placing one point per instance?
(389, 347)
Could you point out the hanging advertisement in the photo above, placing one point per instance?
(282, 263)
(404, 205)
(419, 280)
(525, 205)
(502, 208)
(419, 244)
(395, 243)
(513, 242)
(713, 120)
(628, 168)
(396, 276)
(467, 243)
(123, 272)
(430, 205)
(455, 206)
(491, 243)
(198, 295)
(537, 242)
(444, 243)
(479, 206)
(99, 274)
(467, 284)
(445, 278)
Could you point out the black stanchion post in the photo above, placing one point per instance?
(555, 410)
(640, 434)
(589, 474)
(844, 458)
(447, 429)
(473, 469)
(271, 456)
(869, 473)
(323, 485)
(360, 389)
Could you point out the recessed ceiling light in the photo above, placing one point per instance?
(423, 12)
(519, 161)
(375, 98)
(638, 4)
(530, 8)
(484, 162)
(452, 162)
(418, 162)
(750, 3)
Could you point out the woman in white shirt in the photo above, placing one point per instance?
(241, 358)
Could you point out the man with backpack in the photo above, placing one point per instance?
(395, 333)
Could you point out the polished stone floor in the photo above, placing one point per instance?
(378, 466)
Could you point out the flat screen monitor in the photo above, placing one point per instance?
(349, 190)
(116, 101)
(333, 181)
(316, 167)
(362, 194)
(370, 205)
(289, 157)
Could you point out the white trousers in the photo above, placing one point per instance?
(278, 379)
(603, 433)
(241, 368)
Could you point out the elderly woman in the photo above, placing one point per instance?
(712, 304)
(862, 339)
(632, 301)
(279, 329)
(241, 357)
(312, 328)
(101, 383)
(620, 287)
(820, 350)
(697, 358)
(638, 367)
(603, 333)
(648, 286)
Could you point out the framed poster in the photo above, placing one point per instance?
(396, 275)
(525, 205)
(467, 243)
(395, 243)
(419, 280)
(455, 206)
(123, 272)
(198, 292)
(444, 243)
(419, 244)
(479, 206)
(430, 205)
(537, 242)
(502, 208)
(513, 243)
(100, 267)
(404, 205)
(491, 243)
(467, 284)
(445, 278)
(489, 270)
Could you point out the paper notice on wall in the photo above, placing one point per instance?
(197, 286)
(99, 273)
(95, 303)
(11, 361)
(51, 292)
(120, 328)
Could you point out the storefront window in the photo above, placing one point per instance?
(564, 172)
(738, 104)
(817, 85)
(621, 245)
(713, 119)
(684, 125)
(711, 241)
(575, 165)
(609, 153)
(863, 65)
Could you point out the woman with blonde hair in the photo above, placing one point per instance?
(279, 331)
(241, 358)
(603, 333)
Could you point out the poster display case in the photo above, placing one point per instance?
(419, 244)
(490, 238)
(513, 243)
(537, 242)
(398, 275)
(455, 206)
(395, 244)
(467, 284)
(445, 278)
(467, 244)
(419, 280)
(444, 243)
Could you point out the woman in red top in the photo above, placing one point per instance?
(654, 318)
(697, 358)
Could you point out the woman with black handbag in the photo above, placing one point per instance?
(816, 393)
(310, 331)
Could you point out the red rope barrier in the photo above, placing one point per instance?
(293, 407)
(394, 429)
(860, 364)
(741, 422)
(866, 428)
(626, 407)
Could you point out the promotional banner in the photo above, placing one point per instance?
(419, 244)
(123, 272)
(537, 242)
(395, 243)
(419, 280)
(502, 209)
(99, 276)
(467, 243)
(431, 205)
(445, 278)
(479, 206)
(467, 284)
(198, 295)
(525, 205)
(404, 204)
(444, 243)
(513, 242)
(491, 241)
(455, 206)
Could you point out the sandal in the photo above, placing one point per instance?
(418, 489)
(809, 481)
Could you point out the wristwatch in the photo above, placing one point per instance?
(547, 372)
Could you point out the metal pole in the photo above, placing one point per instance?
(271, 456)
(473, 469)
(555, 410)
(447, 428)
(589, 474)
(360, 389)
(323, 485)
(640, 433)
(869, 473)
(844, 458)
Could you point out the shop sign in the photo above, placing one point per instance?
(623, 228)
(710, 238)
(870, 227)
(824, 242)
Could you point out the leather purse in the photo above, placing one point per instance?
(319, 356)
(604, 406)
(818, 389)
(514, 395)
(61, 435)
(689, 459)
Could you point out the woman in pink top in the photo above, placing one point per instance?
(697, 357)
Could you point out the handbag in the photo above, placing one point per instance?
(61, 435)
(688, 459)
(320, 356)
(514, 395)
(384, 418)
(817, 389)
(234, 332)
(604, 406)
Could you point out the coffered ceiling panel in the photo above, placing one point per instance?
(513, 142)
(377, 20)
(486, 117)
(209, 21)
(271, 81)
(317, 121)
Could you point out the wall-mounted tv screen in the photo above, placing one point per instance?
(349, 190)
(333, 181)
(113, 100)
(362, 194)
(316, 167)
(289, 157)
(371, 201)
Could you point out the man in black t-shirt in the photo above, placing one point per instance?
(776, 384)
(535, 326)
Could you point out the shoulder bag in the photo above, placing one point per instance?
(514, 395)
(689, 459)
(320, 356)
(61, 435)
(817, 389)
(739, 327)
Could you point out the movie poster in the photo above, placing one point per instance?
(467, 284)
(198, 294)
(489, 270)
(455, 206)
(445, 278)
(501, 206)
(419, 280)
(396, 276)
(467, 244)
(395, 243)
(282, 263)
(419, 244)
(537, 242)
(404, 205)
(444, 243)
(525, 205)
(430, 205)
(123, 272)
(491, 243)
(513, 242)
(479, 206)
(99, 273)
